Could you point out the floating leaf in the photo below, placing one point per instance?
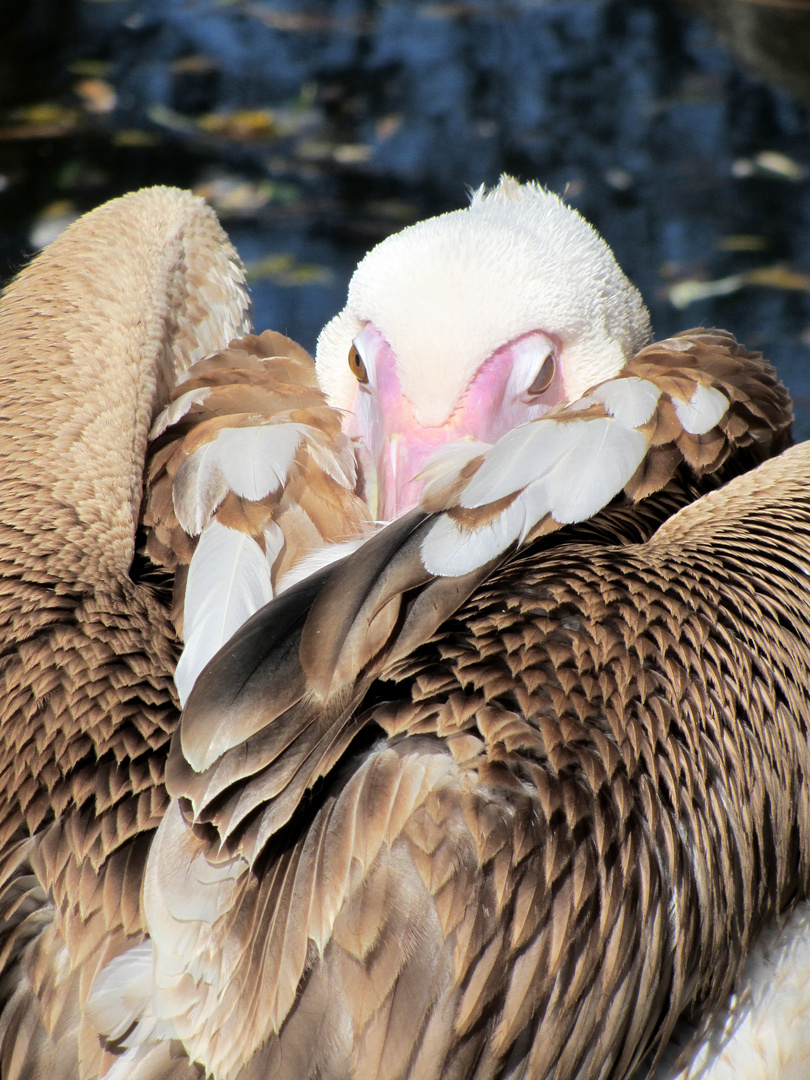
(387, 126)
(173, 121)
(98, 96)
(619, 179)
(770, 163)
(241, 124)
(743, 242)
(43, 120)
(235, 195)
(196, 64)
(352, 153)
(90, 69)
(284, 269)
(53, 220)
(135, 137)
(781, 165)
(778, 276)
(309, 22)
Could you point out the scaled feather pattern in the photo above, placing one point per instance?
(511, 786)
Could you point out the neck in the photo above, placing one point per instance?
(93, 333)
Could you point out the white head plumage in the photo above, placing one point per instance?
(449, 291)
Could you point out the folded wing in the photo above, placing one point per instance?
(536, 822)
(248, 473)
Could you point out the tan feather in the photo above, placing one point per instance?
(88, 703)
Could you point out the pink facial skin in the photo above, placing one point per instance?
(495, 401)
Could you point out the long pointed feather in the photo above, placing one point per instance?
(199, 488)
(228, 580)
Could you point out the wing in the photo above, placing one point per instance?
(249, 473)
(696, 399)
(332, 641)
(504, 820)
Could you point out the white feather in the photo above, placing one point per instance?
(631, 401)
(122, 994)
(178, 409)
(704, 409)
(199, 487)
(444, 465)
(255, 460)
(587, 463)
(594, 469)
(316, 560)
(519, 457)
(448, 550)
(228, 580)
(587, 457)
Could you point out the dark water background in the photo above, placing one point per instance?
(316, 128)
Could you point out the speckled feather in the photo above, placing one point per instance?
(257, 381)
(248, 474)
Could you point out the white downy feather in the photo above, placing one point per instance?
(228, 580)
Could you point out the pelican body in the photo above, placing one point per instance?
(491, 633)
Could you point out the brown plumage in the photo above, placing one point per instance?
(92, 335)
(514, 822)
(591, 801)
(256, 381)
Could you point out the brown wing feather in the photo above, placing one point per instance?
(255, 381)
(381, 604)
(497, 884)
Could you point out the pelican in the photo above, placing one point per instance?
(495, 635)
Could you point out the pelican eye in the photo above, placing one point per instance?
(356, 365)
(542, 379)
